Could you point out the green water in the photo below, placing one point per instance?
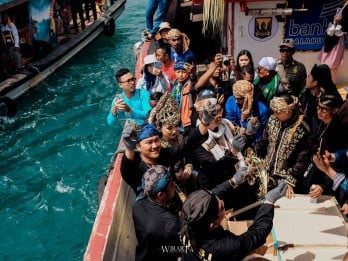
(58, 146)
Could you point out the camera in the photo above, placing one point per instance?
(226, 60)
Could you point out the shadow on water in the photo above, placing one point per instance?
(57, 147)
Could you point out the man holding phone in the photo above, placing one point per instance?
(131, 103)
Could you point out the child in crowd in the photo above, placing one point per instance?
(184, 94)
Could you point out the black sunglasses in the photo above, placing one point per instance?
(129, 80)
(285, 50)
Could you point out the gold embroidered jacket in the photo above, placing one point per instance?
(287, 148)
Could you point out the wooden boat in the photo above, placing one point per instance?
(37, 70)
(112, 236)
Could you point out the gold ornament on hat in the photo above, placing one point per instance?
(165, 112)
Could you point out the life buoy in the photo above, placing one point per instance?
(109, 26)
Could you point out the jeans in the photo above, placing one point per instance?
(152, 5)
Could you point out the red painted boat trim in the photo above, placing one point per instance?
(102, 225)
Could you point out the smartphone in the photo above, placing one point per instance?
(157, 65)
(118, 97)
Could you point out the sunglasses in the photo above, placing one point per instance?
(285, 50)
(129, 80)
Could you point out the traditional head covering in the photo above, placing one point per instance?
(268, 63)
(165, 112)
(244, 89)
(200, 208)
(146, 131)
(175, 34)
(330, 101)
(279, 104)
(180, 65)
(156, 179)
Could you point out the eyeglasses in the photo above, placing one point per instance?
(323, 109)
(129, 80)
(285, 50)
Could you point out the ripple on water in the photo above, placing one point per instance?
(57, 148)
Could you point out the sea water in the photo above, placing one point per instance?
(58, 146)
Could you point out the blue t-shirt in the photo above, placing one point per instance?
(139, 104)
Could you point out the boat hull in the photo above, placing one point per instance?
(113, 235)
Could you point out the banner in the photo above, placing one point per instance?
(308, 28)
(40, 18)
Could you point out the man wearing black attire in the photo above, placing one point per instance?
(133, 168)
(156, 225)
(205, 239)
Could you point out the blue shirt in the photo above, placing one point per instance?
(139, 104)
(187, 56)
(234, 114)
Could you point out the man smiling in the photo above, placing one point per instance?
(148, 143)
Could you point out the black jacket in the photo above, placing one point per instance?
(132, 170)
(224, 245)
(156, 229)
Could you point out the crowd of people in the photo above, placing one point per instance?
(199, 134)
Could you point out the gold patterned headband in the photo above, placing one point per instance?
(279, 104)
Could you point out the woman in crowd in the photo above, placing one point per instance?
(153, 79)
(244, 58)
(166, 117)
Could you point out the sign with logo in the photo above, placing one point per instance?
(308, 28)
(262, 28)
